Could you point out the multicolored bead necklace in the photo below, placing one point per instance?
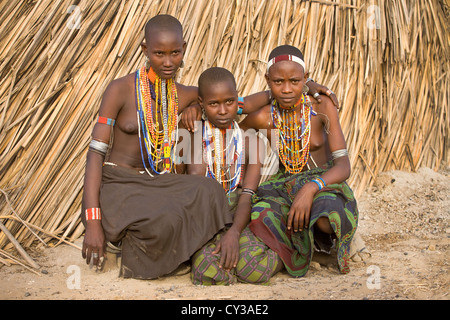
(159, 138)
(294, 139)
(223, 148)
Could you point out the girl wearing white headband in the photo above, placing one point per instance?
(307, 205)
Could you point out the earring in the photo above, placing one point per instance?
(305, 89)
(203, 114)
(182, 64)
(147, 63)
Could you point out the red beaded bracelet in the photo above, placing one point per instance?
(93, 214)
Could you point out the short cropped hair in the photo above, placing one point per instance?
(212, 76)
(163, 22)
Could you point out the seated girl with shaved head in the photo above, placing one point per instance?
(231, 157)
(132, 198)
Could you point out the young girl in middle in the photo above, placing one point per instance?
(232, 158)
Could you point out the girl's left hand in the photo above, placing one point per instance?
(228, 247)
(300, 211)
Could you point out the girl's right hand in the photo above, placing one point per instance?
(94, 243)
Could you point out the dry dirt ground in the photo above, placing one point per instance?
(404, 222)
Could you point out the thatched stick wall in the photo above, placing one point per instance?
(388, 62)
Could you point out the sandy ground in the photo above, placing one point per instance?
(404, 222)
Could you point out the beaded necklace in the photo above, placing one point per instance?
(223, 148)
(159, 138)
(293, 140)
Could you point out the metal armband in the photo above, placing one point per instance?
(339, 153)
(98, 147)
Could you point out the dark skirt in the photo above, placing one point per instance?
(160, 220)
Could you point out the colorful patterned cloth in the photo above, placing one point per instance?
(257, 263)
(269, 217)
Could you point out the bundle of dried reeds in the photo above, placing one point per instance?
(388, 64)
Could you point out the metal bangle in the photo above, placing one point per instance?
(248, 191)
(98, 146)
(339, 153)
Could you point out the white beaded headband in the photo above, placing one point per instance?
(284, 57)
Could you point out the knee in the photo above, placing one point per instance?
(323, 224)
(255, 267)
(206, 271)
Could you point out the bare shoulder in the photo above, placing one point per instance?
(185, 89)
(326, 106)
(260, 119)
(187, 95)
(329, 115)
(117, 93)
(122, 86)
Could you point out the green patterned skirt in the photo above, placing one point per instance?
(257, 262)
(271, 205)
